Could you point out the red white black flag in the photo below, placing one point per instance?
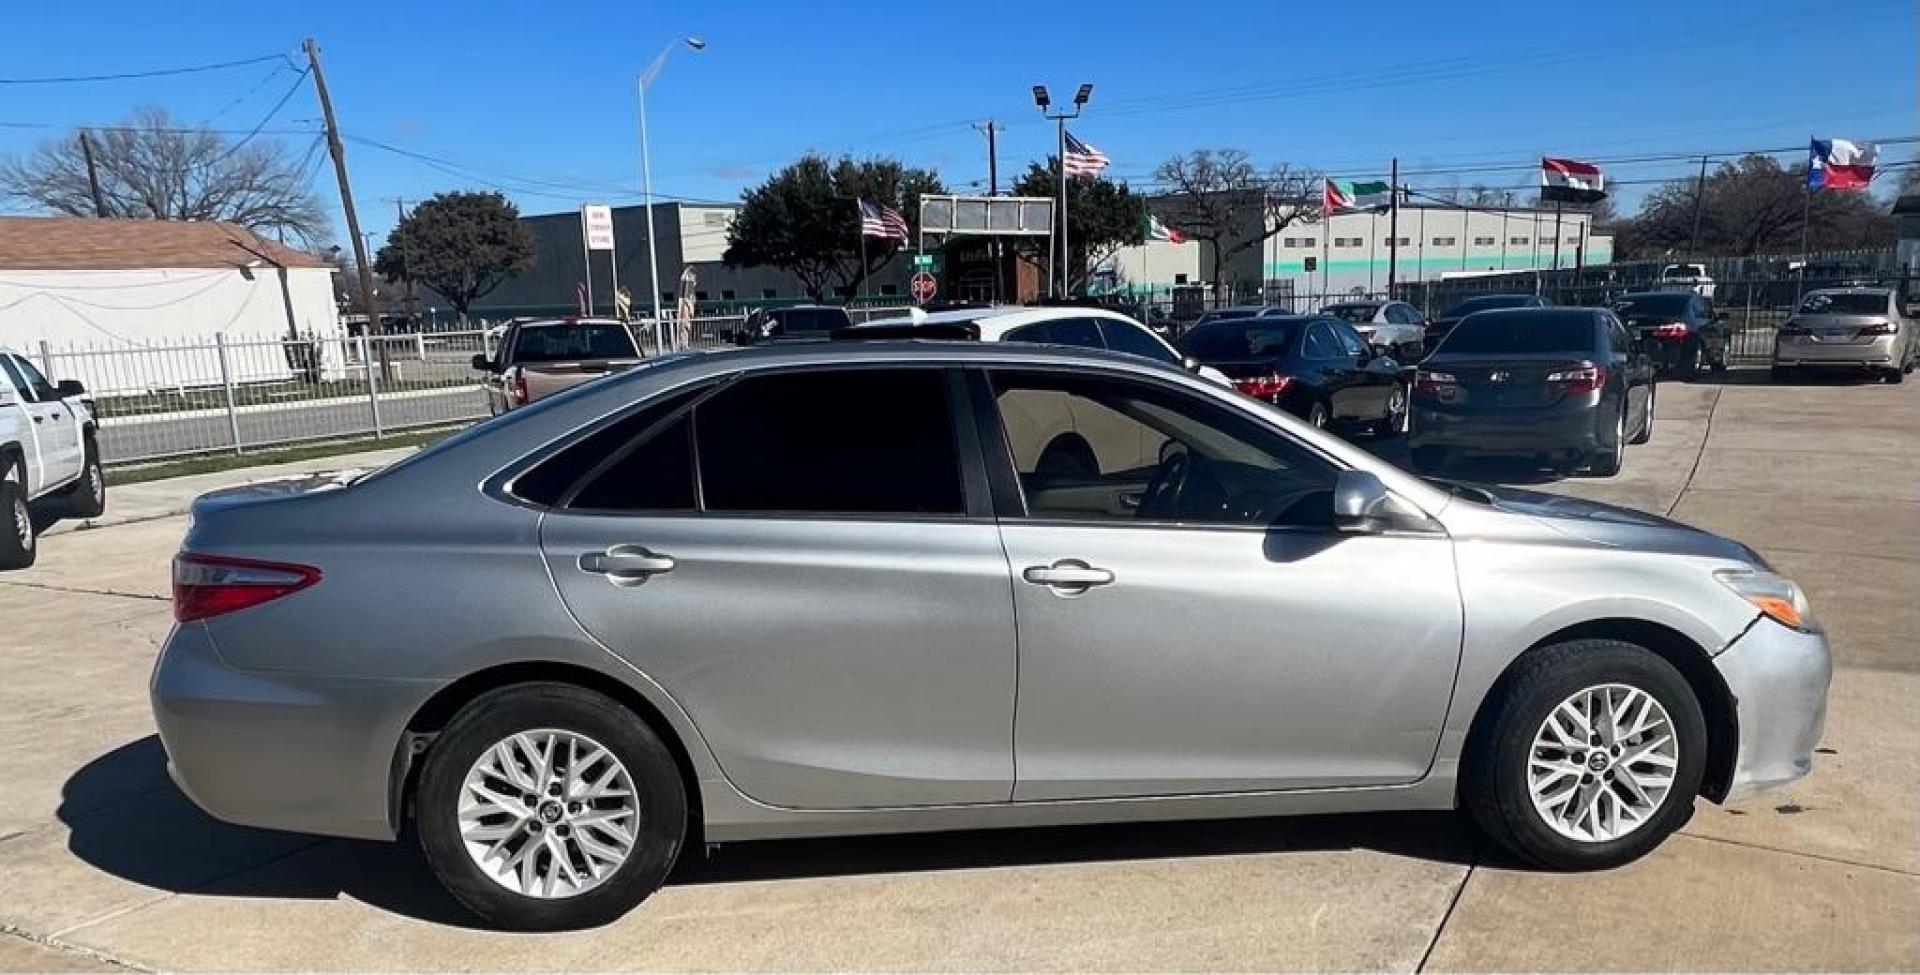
(1571, 181)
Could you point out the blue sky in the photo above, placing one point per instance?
(540, 97)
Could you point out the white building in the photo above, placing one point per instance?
(1351, 252)
(70, 283)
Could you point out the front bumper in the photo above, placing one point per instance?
(281, 751)
(1779, 679)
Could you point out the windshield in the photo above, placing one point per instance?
(1845, 303)
(1522, 334)
(569, 341)
(1489, 302)
(1353, 313)
(1670, 305)
(1251, 338)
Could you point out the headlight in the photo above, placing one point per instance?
(1773, 595)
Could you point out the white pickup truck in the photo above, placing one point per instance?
(47, 449)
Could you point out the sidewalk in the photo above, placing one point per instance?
(159, 499)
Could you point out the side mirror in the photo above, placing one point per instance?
(71, 387)
(1190, 363)
(1360, 502)
(482, 363)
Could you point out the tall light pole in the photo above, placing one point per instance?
(644, 82)
(1060, 118)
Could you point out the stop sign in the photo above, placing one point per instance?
(923, 286)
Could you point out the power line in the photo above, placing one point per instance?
(170, 129)
(156, 73)
(521, 183)
(271, 112)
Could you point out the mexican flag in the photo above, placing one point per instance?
(1155, 230)
(1347, 196)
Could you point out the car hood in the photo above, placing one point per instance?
(1603, 524)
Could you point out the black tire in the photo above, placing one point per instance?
(1394, 423)
(491, 718)
(1608, 460)
(1695, 356)
(1645, 433)
(1494, 786)
(1782, 374)
(1317, 415)
(1429, 459)
(19, 543)
(1894, 377)
(87, 498)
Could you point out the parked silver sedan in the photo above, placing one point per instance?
(1857, 328)
(819, 589)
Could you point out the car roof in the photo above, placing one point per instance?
(998, 321)
(1360, 303)
(1858, 289)
(1536, 314)
(570, 320)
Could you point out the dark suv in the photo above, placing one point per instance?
(1679, 330)
(793, 322)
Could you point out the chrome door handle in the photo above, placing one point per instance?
(1068, 577)
(626, 565)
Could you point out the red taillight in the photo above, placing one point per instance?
(1583, 380)
(1264, 387)
(211, 585)
(1670, 331)
(1432, 383)
(517, 389)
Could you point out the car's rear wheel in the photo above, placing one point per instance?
(1693, 358)
(1317, 415)
(546, 806)
(1607, 461)
(1894, 376)
(87, 498)
(1589, 755)
(1645, 432)
(1394, 422)
(18, 546)
(1783, 374)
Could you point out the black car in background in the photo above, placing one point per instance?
(1563, 386)
(1678, 329)
(1314, 367)
(793, 322)
(1437, 328)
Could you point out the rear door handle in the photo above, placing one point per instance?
(1067, 577)
(626, 565)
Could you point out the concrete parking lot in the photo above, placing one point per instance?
(106, 865)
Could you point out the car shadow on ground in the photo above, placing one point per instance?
(1763, 376)
(244, 862)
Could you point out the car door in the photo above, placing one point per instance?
(1627, 354)
(1336, 371)
(802, 560)
(1221, 638)
(56, 429)
(1373, 375)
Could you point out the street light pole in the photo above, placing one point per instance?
(1041, 99)
(646, 171)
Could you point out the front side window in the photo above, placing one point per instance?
(848, 441)
(1092, 448)
(1320, 343)
(1350, 341)
(31, 380)
(13, 376)
(1133, 340)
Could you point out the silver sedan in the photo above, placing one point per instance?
(868, 587)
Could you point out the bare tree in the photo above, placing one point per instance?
(155, 167)
(1222, 198)
(1753, 205)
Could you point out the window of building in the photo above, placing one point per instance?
(726, 294)
(1444, 241)
(1290, 242)
(1309, 241)
(889, 289)
(758, 453)
(1483, 242)
(1575, 239)
(714, 218)
(666, 297)
(1516, 240)
(769, 292)
(1179, 279)
(1389, 241)
(700, 296)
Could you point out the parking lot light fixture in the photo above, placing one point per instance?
(644, 82)
(1040, 97)
(1080, 97)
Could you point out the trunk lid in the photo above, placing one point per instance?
(1832, 329)
(1516, 382)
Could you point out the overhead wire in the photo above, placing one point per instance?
(154, 73)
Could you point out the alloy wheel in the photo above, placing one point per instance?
(549, 813)
(1602, 763)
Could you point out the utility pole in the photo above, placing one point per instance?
(413, 308)
(992, 129)
(1393, 225)
(93, 176)
(339, 153)
(1699, 196)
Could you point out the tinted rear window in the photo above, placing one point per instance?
(1489, 302)
(635, 479)
(1353, 313)
(1671, 305)
(1496, 334)
(868, 441)
(811, 319)
(1858, 303)
(1251, 338)
(577, 340)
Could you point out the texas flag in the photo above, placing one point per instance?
(1837, 164)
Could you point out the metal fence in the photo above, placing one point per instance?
(224, 394)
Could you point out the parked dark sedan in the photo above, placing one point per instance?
(1437, 328)
(1316, 368)
(1565, 386)
(1678, 329)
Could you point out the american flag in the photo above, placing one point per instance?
(882, 222)
(1084, 160)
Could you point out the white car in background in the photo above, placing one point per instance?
(1085, 327)
(47, 449)
(1686, 277)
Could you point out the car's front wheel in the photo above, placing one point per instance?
(17, 536)
(1589, 754)
(546, 806)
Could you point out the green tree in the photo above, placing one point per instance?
(461, 245)
(1102, 216)
(1751, 206)
(805, 219)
